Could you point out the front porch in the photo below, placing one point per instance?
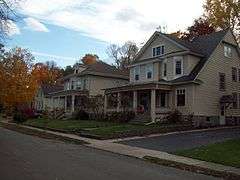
(69, 101)
(149, 102)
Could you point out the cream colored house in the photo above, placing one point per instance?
(87, 80)
(199, 77)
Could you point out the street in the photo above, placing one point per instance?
(26, 157)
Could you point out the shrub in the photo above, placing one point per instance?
(121, 117)
(19, 117)
(174, 117)
(29, 113)
(81, 115)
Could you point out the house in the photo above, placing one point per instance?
(88, 80)
(199, 77)
(43, 99)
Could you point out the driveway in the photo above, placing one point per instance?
(25, 157)
(174, 142)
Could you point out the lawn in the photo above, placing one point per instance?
(100, 129)
(226, 153)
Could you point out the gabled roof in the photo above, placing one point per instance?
(100, 68)
(202, 46)
(47, 88)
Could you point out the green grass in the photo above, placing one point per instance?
(67, 125)
(226, 153)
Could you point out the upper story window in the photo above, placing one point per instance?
(181, 96)
(235, 97)
(178, 65)
(234, 74)
(149, 71)
(165, 69)
(222, 82)
(227, 51)
(73, 85)
(136, 72)
(158, 51)
(78, 84)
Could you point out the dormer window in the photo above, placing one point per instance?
(227, 51)
(158, 51)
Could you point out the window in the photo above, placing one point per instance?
(165, 69)
(222, 82)
(178, 65)
(136, 73)
(72, 85)
(234, 95)
(78, 84)
(149, 71)
(181, 97)
(234, 74)
(157, 51)
(227, 51)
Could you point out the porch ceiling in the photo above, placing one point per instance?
(136, 87)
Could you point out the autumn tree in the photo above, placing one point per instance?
(18, 85)
(67, 70)
(89, 59)
(223, 14)
(122, 55)
(46, 73)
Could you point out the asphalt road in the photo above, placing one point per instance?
(174, 142)
(24, 157)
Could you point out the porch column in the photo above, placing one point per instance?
(153, 105)
(118, 101)
(65, 104)
(53, 102)
(73, 104)
(105, 103)
(135, 101)
(59, 102)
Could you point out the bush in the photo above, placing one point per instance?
(29, 113)
(174, 117)
(121, 117)
(81, 115)
(19, 117)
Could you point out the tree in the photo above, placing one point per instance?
(18, 85)
(89, 59)
(7, 16)
(122, 55)
(67, 70)
(224, 14)
(200, 27)
(46, 73)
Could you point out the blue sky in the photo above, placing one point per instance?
(65, 30)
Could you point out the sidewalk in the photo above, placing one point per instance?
(111, 146)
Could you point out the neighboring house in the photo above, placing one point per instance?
(43, 99)
(199, 77)
(87, 80)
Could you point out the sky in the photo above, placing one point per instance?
(65, 30)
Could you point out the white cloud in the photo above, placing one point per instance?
(52, 56)
(11, 28)
(115, 21)
(35, 25)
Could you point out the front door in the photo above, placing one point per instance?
(144, 101)
(222, 117)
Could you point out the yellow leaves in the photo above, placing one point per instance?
(18, 86)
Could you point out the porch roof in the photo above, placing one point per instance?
(69, 92)
(142, 86)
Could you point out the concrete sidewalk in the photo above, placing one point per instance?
(111, 146)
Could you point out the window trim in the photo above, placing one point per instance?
(164, 69)
(176, 95)
(162, 50)
(178, 58)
